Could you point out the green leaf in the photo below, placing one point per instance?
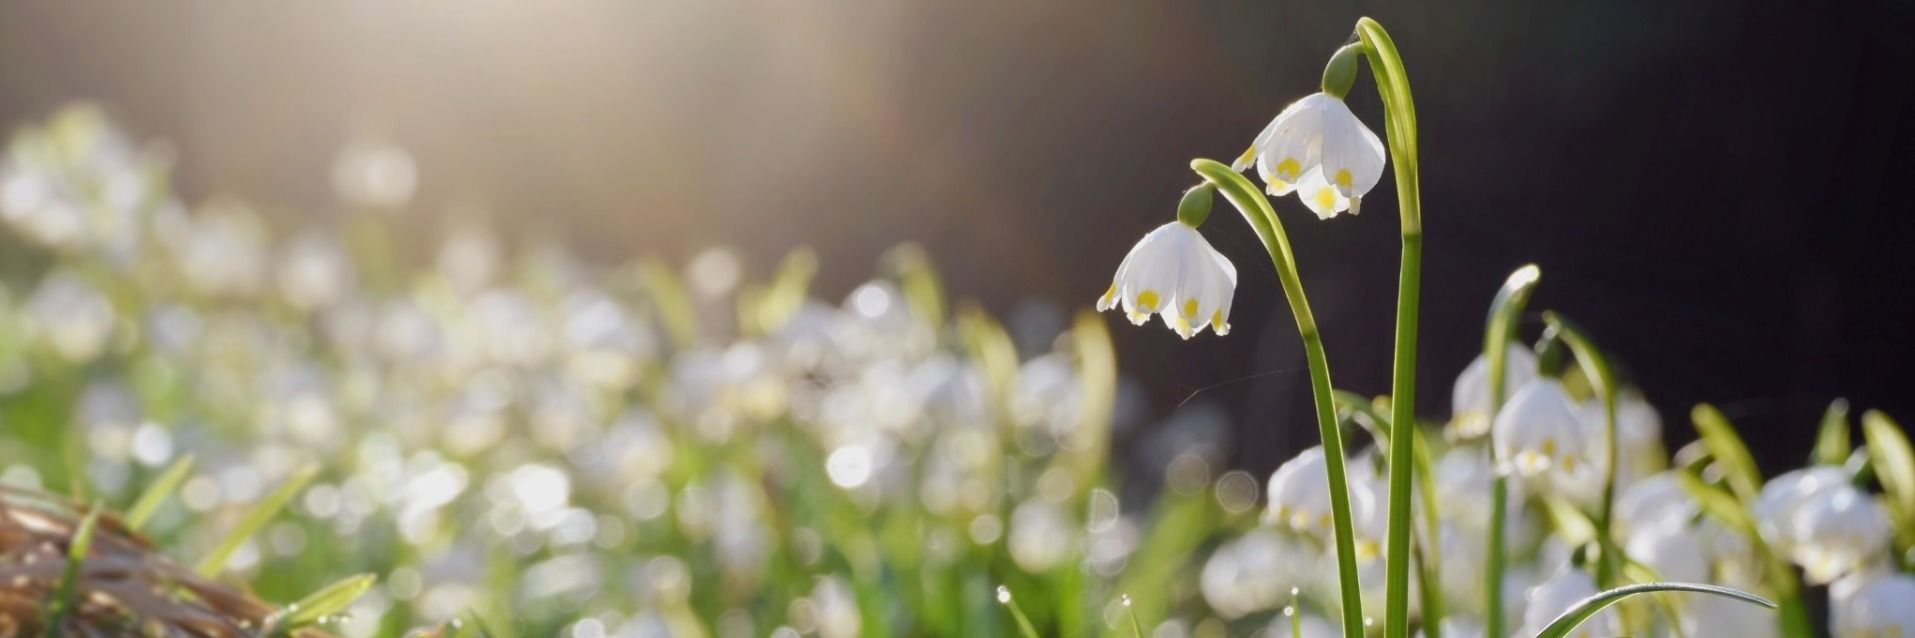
(1729, 451)
(315, 607)
(156, 493)
(65, 592)
(1717, 503)
(1894, 463)
(1587, 607)
(262, 513)
(1832, 439)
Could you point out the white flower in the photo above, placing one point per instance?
(1540, 430)
(1652, 501)
(1721, 616)
(1469, 397)
(1775, 507)
(1838, 532)
(1673, 549)
(1556, 595)
(1319, 149)
(1300, 494)
(1175, 273)
(1872, 605)
(1256, 572)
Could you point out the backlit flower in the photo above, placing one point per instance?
(1174, 273)
(1872, 605)
(1540, 430)
(1319, 149)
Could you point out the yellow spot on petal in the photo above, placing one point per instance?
(1343, 177)
(1216, 319)
(1548, 448)
(1288, 168)
(1326, 198)
(1110, 292)
(1147, 300)
(1190, 307)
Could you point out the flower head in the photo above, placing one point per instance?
(1317, 148)
(1838, 532)
(1540, 429)
(1173, 272)
(1872, 604)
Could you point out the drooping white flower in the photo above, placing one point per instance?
(1652, 501)
(1300, 494)
(1256, 572)
(1673, 548)
(1871, 605)
(1173, 272)
(1838, 532)
(1775, 506)
(1556, 595)
(1319, 149)
(1469, 397)
(1540, 430)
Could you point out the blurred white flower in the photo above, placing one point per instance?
(1673, 549)
(1300, 495)
(1720, 616)
(1308, 626)
(1318, 148)
(1556, 595)
(1837, 532)
(314, 271)
(1540, 433)
(1775, 508)
(1174, 273)
(1469, 397)
(71, 315)
(1652, 501)
(1875, 604)
(1256, 572)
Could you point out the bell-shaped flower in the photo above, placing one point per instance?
(1673, 548)
(1469, 397)
(1839, 532)
(1653, 501)
(1318, 148)
(1173, 272)
(1872, 604)
(1540, 430)
(1256, 572)
(1300, 495)
(1782, 496)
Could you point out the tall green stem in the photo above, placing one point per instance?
(1497, 332)
(1393, 84)
(1263, 218)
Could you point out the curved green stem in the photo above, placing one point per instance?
(1596, 368)
(1497, 331)
(1262, 218)
(1393, 84)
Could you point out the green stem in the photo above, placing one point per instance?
(1596, 368)
(1393, 85)
(1497, 332)
(1263, 219)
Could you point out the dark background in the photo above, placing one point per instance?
(1715, 190)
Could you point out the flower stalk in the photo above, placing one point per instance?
(1497, 332)
(1393, 85)
(1263, 219)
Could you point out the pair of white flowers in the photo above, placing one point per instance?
(1316, 148)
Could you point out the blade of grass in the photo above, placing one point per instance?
(1729, 451)
(157, 492)
(1023, 622)
(319, 605)
(64, 593)
(256, 518)
(1587, 607)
